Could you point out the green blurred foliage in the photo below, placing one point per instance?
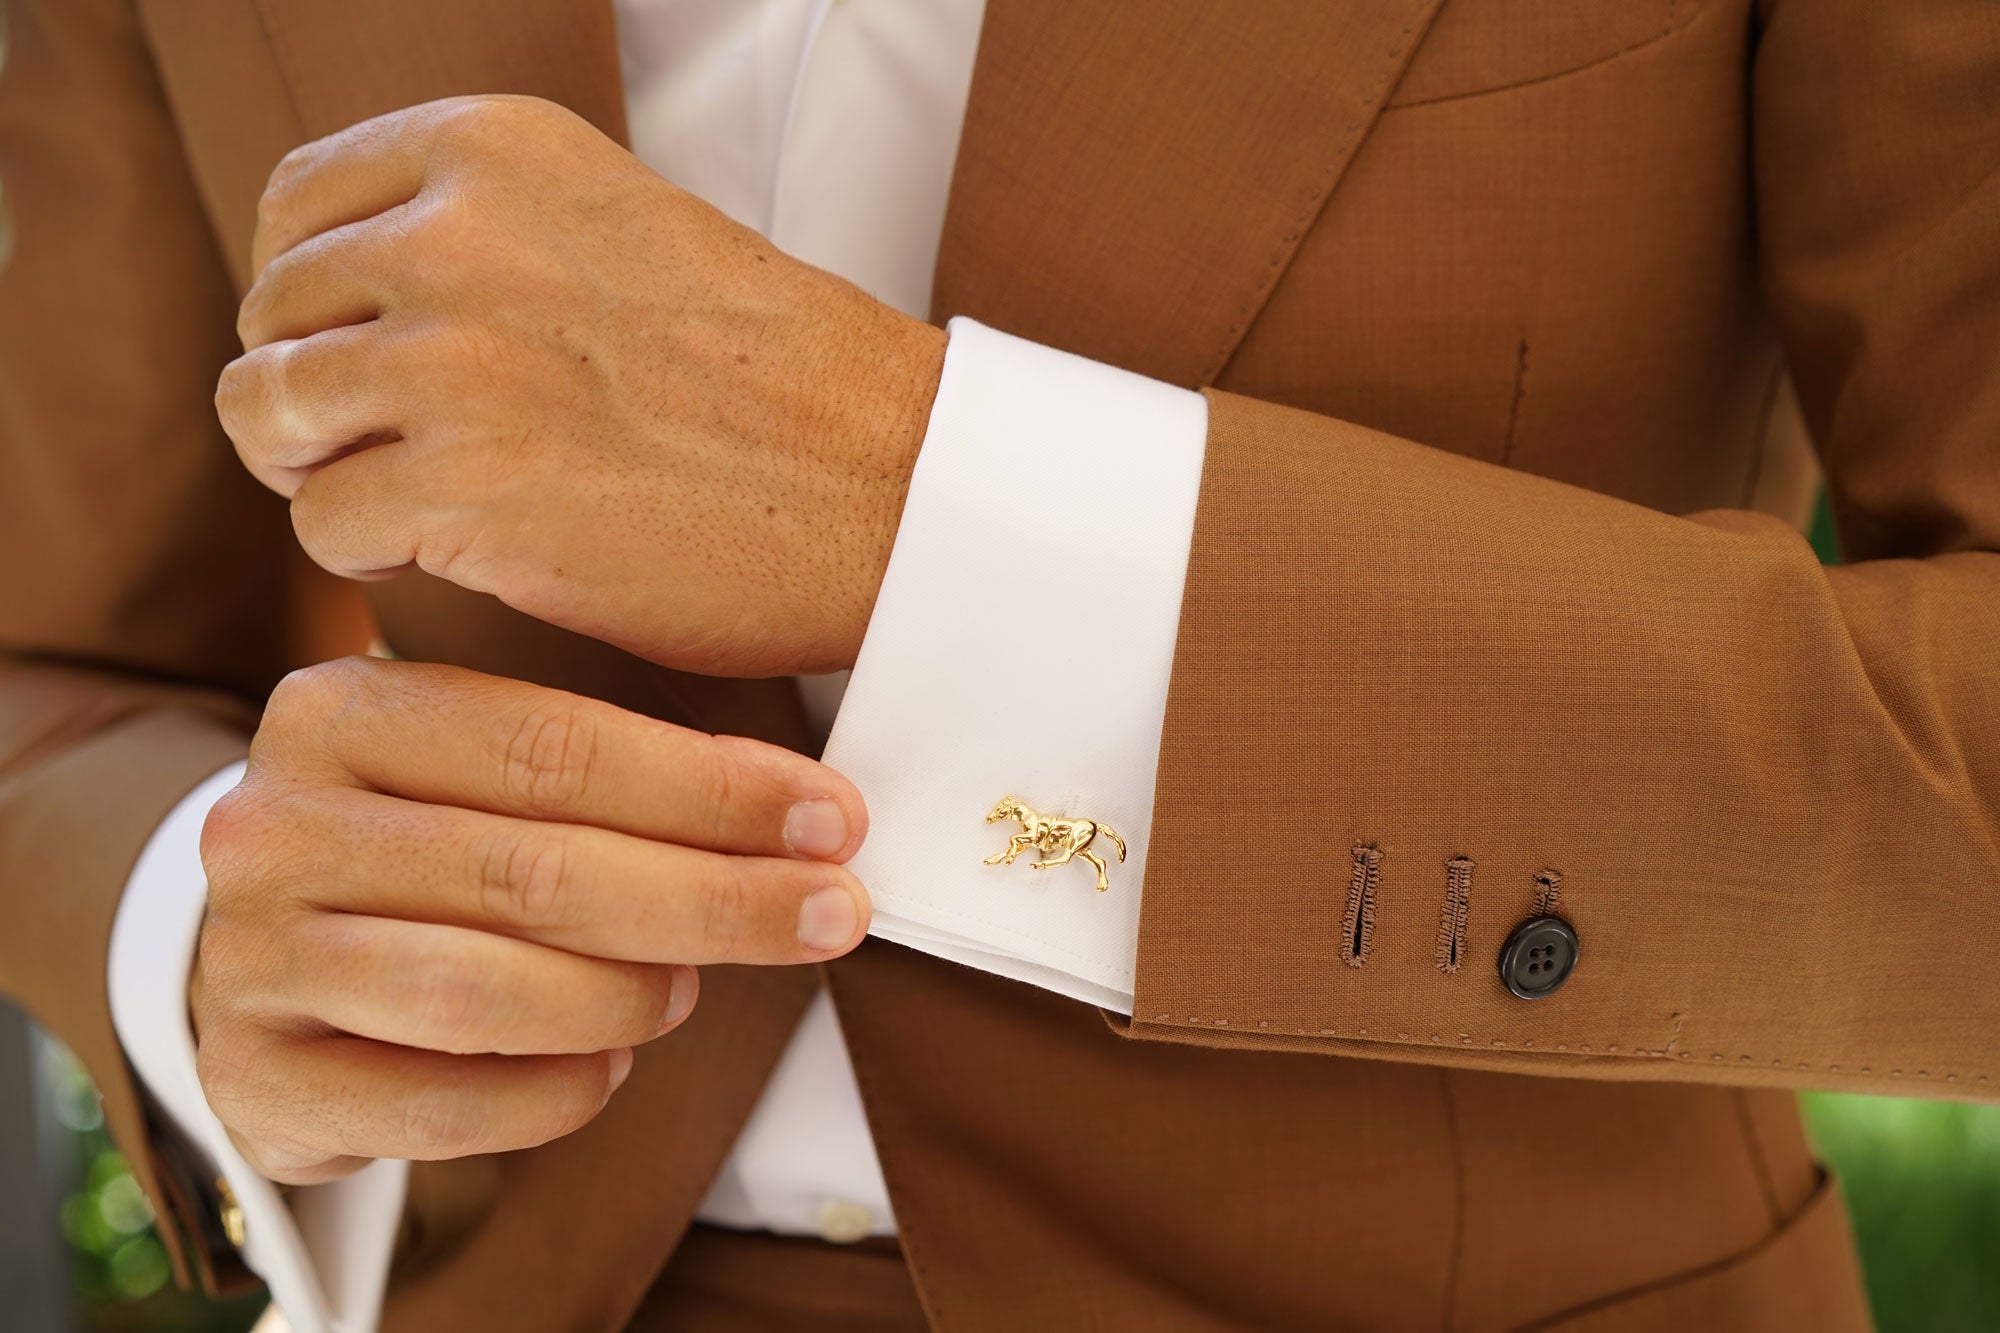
(1922, 1180)
(118, 1268)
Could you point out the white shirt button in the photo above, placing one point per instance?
(843, 1223)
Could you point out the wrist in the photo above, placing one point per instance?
(892, 435)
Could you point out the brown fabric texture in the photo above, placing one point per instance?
(744, 1282)
(1771, 789)
(1515, 317)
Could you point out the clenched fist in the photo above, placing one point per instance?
(443, 907)
(487, 342)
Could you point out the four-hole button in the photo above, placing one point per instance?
(1538, 957)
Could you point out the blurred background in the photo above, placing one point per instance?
(77, 1250)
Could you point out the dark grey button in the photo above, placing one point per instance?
(1538, 957)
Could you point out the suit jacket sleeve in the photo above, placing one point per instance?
(142, 573)
(1765, 793)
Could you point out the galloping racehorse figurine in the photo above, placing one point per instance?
(1057, 839)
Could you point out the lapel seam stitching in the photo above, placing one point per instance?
(287, 68)
(1368, 110)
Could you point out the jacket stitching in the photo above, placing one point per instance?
(1566, 1048)
(282, 57)
(1357, 927)
(1548, 892)
(1368, 109)
(1675, 23)
(1449, 955)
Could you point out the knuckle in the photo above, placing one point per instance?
(495, 111)
(315, 695)
(262, 846)
(322, 527)
(440, 224)
(250, 312)
(436, 1121)
(251, 960)
(451, 1005)
(264, 383)
(332, 534)
(525, 876)
(295, 693)
(720, 772)
(472, 124)
(548, 761)
(274, 206)
(726, 914)
(233, 823)
(284, 367)
(289, 169)
(580, 1105)
(312, 384)
(284, 1160)
(746, 779)
(257, 1106)
(237, 394)
(220, 970)
(228, 1069)
(304, 694)
(219, 1075)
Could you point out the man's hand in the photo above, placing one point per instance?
(486, 342)
(443, 907)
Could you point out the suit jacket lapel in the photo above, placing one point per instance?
(252, 79)
(346, 62)
(1134, 177)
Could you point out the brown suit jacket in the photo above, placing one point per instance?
(1499, 303)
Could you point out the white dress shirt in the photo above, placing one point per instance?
(831, 126)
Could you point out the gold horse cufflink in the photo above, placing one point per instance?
(1059, 840)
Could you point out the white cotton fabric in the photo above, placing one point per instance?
(1021, 645)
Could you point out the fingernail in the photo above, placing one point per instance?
(815, 828)
(680, 996)
(827, 919)
(621, 1069)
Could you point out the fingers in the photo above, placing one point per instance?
(359, 515)
(357, 173)
(343, 276)
(446, 736)
(467, 992)
(291, 405)
(571, 887)
(304, 1104)
(322, 372)
(372, 167)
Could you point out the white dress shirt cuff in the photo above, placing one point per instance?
(325, 1256)
(1021, 646)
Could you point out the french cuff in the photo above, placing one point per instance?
(324, 1252)
(1020, 647)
